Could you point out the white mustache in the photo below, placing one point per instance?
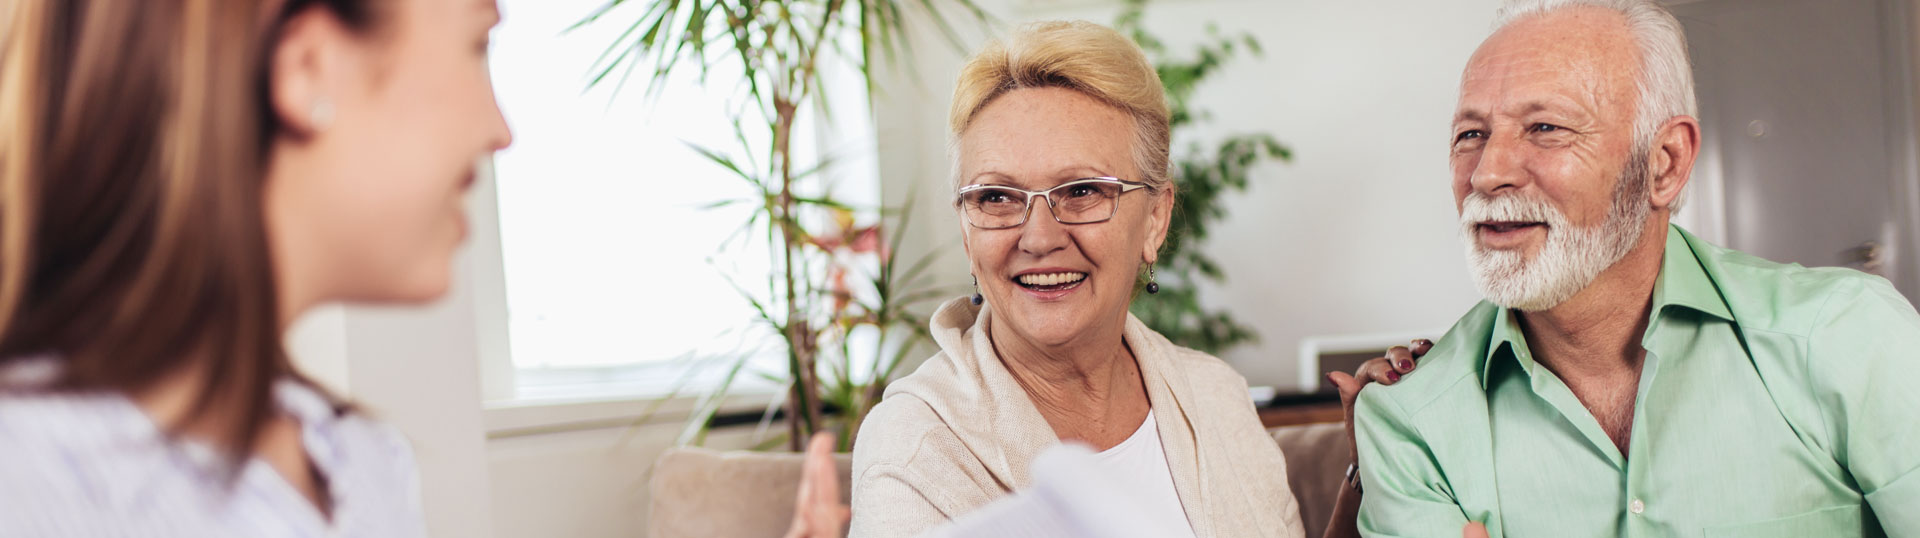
(1478, 208)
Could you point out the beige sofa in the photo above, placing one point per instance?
(699, 493)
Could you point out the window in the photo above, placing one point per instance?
(617, 280)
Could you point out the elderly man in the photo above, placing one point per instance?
(1623, 377)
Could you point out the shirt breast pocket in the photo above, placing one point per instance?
(1835, 521)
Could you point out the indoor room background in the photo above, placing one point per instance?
(540, 392)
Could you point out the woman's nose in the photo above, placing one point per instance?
(1042, 233)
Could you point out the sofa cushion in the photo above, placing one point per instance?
(1317, 457)
(698, 492)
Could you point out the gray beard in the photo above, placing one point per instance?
(1572, 256)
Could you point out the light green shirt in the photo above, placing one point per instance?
(1775, 400)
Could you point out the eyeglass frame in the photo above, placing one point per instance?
(959, 198)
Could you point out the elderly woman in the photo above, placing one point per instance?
(1061, 141)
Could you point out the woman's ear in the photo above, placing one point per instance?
(302, 69)
(1159, 217)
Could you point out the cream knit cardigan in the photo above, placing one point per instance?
(960, 432)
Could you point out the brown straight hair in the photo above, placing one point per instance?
(133, 153)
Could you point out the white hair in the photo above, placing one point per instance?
(1666, 73)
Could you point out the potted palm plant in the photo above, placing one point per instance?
(834, 270)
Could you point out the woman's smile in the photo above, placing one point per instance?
(1050, 284)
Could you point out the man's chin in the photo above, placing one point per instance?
(1524, 300)
(1520, 252)
(1517, 286)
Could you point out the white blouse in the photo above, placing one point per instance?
(1142, 464)
(86, 465)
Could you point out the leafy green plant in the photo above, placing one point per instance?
(834, 274)
(1203, 175)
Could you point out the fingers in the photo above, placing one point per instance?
(817, 511)
(1473, 530)
(802, 499)
(819, 462)
(1420, 347)
(1349, 389)
(1377, 370)
(1346, 385)
(1401, 359)
(825, 479)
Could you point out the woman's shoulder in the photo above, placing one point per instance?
(939, 390)
(914, 428)
(67, 456)
(934, 375)
(45, 422)
(35, 418)
(913, 469)
(896, 430)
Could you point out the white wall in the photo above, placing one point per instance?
(585, 483)
(1357, 235)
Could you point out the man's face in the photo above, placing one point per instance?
(1550, 188)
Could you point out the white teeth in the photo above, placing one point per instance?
(1051, 279)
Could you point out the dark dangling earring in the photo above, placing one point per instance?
(977, 299)
(1152, 287)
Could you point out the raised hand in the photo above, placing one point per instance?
(817, 512)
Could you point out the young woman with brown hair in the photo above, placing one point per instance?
(179, 181)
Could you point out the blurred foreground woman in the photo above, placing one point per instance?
(179, 181)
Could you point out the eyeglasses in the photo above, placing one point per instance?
(1081, 201)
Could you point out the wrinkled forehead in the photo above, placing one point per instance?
(1585, 55)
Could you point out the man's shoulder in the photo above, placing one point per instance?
(1789, 298)
(1452, 366)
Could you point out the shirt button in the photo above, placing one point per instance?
(1636, 506)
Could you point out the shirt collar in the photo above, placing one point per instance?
(1507, 339)
(1683, 283)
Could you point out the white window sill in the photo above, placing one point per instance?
(523, 417)
(552, 400)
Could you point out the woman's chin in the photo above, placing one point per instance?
(421, 288)
(1044, 328)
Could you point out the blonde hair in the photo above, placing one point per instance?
(1080, 56)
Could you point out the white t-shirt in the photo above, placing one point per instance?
(1142, 464)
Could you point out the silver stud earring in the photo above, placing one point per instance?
(322, 114)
